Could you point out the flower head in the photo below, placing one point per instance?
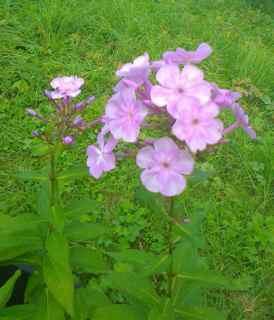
(176, 84)
(164, 165)
(137, 72)
(101, 159)
(124, 115)
(197, 125)
(65, 87)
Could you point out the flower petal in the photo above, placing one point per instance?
(145, 157)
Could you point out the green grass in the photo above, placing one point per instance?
(90, 38)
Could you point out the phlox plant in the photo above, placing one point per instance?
(72, 276)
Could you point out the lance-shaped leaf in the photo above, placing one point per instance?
(7, 288)
(87, 300)
(79, 207)
(20, 312)
(134, 285)
(143, 262)
(20, 235)
(57, 271)
(163, 312)
(47, 307)
(84, 231)
(87, 260)
(200, 313)
(32, 175)
(73, 173)
(118, 312)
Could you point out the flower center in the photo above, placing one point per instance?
(195, 121)
(180, 90)
(165, 164)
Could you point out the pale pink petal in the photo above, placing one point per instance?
(145, 157)
(176, 110)
(168, 76)
(166, 145)
(201, 91)
(190, 76)
(171, 183)
(160, 96)
(183, 162)
(150, 180)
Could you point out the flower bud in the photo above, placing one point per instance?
(81, 105)
(31, 112)
(68, 140)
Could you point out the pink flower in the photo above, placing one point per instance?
(124, 115)
(182, 56)
(197, 125)
(224, 97)
(101, 159)
(164, 165)
(138, 71)
(175, 84)
(66, 87)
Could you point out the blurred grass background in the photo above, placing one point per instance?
(43, 39)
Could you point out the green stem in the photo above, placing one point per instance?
(53, 179)
(170, 245)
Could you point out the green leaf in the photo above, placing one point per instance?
(80, 207)
(88, 299)
(209, 279)
(163, 312)
(84, 231)
(134, 285)
(87, 260)
(118, 312)
(73, 173)
(47, 307)
(20, 312)
(32, 175)
(199, 313)
(20, 235)
(57, 271)
(7, 288)
(145, 262)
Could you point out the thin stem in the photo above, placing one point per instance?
(170, 244)
(53, 179)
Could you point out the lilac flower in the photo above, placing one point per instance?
(181, 56)
(175, 84)
(224, 97)
(101, 159)
(242, 120)
(164, 165)
(68, 140)
(65, 87)
(197, 125)
(138, 71)
(124, 115)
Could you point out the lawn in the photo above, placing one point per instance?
(43, 39)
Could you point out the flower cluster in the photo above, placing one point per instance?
(68, 122)
(175, 89)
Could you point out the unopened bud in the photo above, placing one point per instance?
(68, 140)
